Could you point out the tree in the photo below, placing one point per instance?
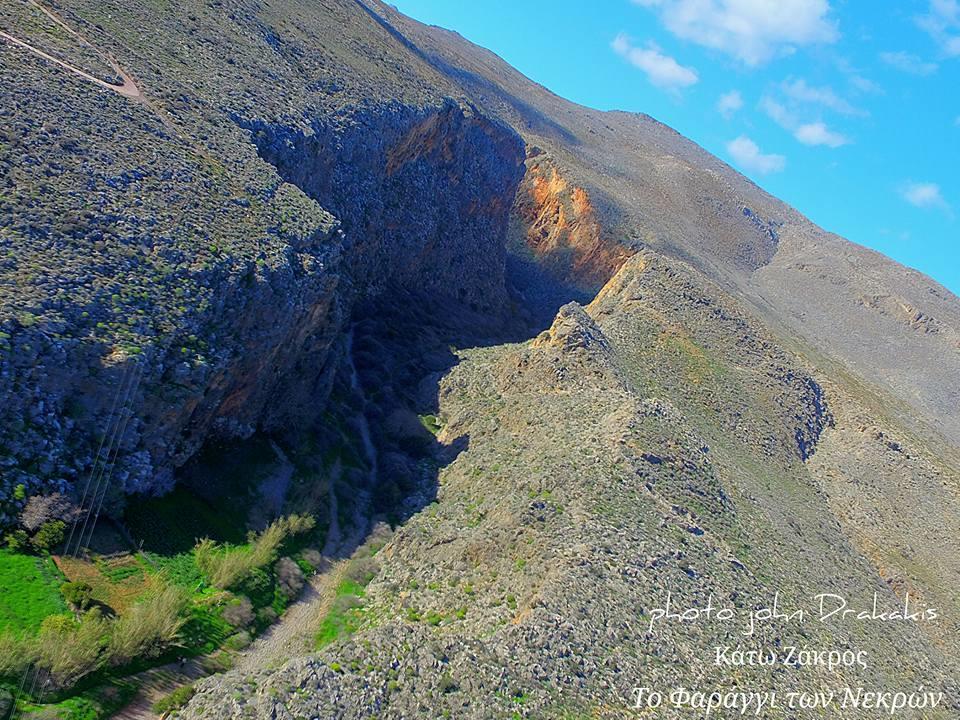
(41, 509)
(49, 535)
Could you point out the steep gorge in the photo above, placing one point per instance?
(420, 198)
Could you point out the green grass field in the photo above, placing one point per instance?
(29, 591)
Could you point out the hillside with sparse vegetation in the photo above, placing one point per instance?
(347, 373)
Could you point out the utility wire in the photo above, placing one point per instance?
(102, 469)
(96, 459)
(138, 375)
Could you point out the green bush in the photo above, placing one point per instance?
(16, 655)
(78, 594)
(238, 641)
(174, 701)
(226, 567)
(71, 649)
(49, 535)
(17, 540)
(149, 627)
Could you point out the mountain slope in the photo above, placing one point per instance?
(654, 188)
(310, 210)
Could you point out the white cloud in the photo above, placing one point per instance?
(865, 85)
(942, 23)
(661, 70)
(908, 63)
(924, 195)
(819, 134)
(778, 113)
(856, 78)
(752, 31)
(745, 153)
(729, 103)
(812, 133)
(800, 91)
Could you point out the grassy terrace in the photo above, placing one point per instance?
(29, 592)
(195, 581)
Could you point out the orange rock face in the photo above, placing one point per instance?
(560, 226)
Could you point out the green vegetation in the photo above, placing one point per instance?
(49, 535)
(347, 614)
(226, 567)
(175, 700)
(29, 591)
(93, 704)
(132, 611)
(149, 627)
(431, 423)
(79, 594)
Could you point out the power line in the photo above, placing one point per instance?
(108, 472)
(103, 466)
(96, 459)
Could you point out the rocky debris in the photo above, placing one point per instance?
(573, 329)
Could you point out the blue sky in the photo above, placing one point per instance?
(849, 111)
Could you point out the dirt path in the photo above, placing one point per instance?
(128, 88)
(293, 635)
(156, 684)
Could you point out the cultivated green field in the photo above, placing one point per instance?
(29, 592)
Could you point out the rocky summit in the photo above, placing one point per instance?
(542, 376)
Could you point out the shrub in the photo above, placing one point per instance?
(289, 577)
(258, 586)
(238, 641)
(70, 649)
(49, 535)
(266, 616)
(239, 612)
(16, 655)
(362, 570)
(225, 567)
(313, 558)
(78, 594)
(149, 627)
(174, 701)
(17, 540)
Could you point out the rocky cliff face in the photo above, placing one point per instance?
(129, 365)
(422, 195)
(558, 224)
